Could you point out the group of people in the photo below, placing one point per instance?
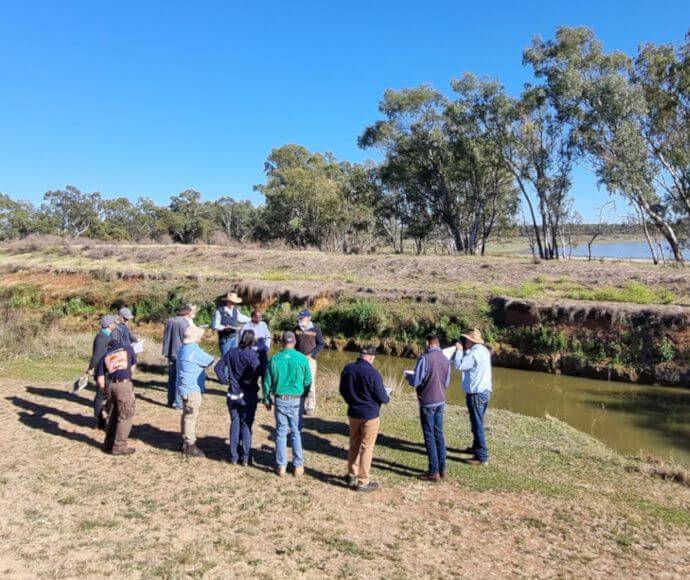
(284, 383)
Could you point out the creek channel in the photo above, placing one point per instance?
(638, 420)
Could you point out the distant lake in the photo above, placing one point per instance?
(625, 250)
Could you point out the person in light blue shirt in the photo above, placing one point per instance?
(262, 336)
(473, 360)
(191, 375)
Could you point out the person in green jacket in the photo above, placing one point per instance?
(287, 379)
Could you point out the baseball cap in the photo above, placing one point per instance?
(288, 337)
(368, 349)
(126, 313)
(303, 313)
(107, 320)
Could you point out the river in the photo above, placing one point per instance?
(625, 250)
(632, 419)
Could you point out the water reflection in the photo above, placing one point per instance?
(633, 419)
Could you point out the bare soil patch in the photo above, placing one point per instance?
(69, 510)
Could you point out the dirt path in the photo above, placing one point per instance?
(71, 511)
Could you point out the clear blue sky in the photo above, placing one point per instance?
(152, 98)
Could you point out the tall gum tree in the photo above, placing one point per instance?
(596, 93)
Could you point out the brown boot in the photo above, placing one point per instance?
(299, 471)
(430, 477)
(280, 471)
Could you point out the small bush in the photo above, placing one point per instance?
(24, 295)
(665, 351)
(539, 339)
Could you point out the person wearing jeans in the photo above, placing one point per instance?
(240, 368)
(431, 378)
(287, 380)
(473, 359)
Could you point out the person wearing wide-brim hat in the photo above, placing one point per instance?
(227, 321)
(473, 360)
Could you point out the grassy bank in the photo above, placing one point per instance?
(554, 501)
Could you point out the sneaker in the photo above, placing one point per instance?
(476, 462)
(125, 451)
(193, 451)
(371, 486)
(351, 480)
(299, 471)
(280, 471)
(429, 477)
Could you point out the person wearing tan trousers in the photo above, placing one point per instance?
(361, 385)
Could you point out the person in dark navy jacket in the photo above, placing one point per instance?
(361, 385)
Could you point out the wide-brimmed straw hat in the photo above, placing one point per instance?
(232, 297)
(475, 335)
(193, 334)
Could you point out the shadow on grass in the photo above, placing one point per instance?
(311, 442)
(34, 415)
(65, 395)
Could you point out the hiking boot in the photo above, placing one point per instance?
(371, 486)
(280, 471)
(299, 471)
(351, 480)
(193, 451)
(443, 474)
(125, 451)
(476, 462)
(429, 477)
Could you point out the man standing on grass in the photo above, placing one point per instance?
(473, 359)
(173, 337)
(288, 379)
(122, 333)
(362, 388)
(227, 320)
(431, 378)
(100, 346)
(310, 343)
(114, 379)
(191, 375)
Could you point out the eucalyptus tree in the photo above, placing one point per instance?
(302, 195)
(72, 211)
(596, 94)
(190, 220)
(445, 171)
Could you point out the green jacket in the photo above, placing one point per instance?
(287, 373)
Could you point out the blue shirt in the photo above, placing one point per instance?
(239, 369)
(218, 316)
(261, 333)
(191, 365)
(475, 365)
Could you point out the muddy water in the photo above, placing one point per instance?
(632, 419)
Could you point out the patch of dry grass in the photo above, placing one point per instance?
(553, 503)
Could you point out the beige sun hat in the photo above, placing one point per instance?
(232, 297)
(193, 334)
(475, 335)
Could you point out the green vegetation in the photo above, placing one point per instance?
(634, 292)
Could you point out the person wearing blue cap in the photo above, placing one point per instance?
(310, 343)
